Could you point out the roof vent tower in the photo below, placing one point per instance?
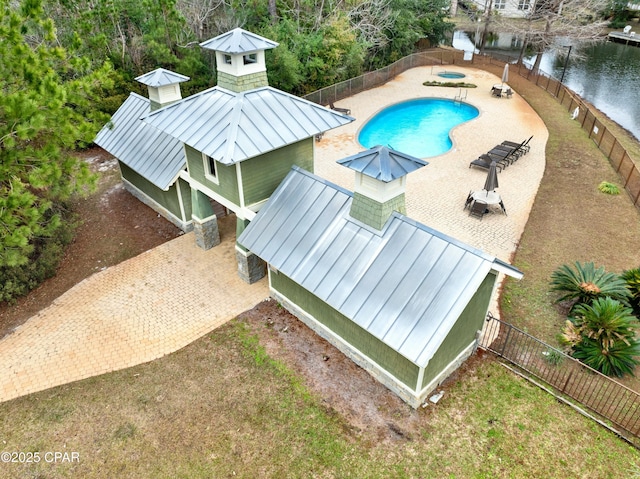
(163, 86)
(380, 183)
(240, 59)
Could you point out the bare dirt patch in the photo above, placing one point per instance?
(114, 226)
(370, 409)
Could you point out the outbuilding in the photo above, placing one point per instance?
(402, 300)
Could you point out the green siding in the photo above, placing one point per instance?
(167, 199)
(244, 82)
(463, 331)
(227, 178)
(262, 175)
(374, 213)
(399, 366)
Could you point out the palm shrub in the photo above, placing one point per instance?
(584, 283)
(632, 278)
(602, 336)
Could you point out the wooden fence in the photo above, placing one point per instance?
(605, 397)
(585, 114)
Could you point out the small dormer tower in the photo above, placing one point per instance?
(380, 183)
(240, 59)
(163, 86)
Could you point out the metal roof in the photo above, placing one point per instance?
(406, 285)
(382, 163)
(231, 127)
(153, 154)
(161, 77)
(238, 41)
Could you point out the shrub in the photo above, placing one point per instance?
(609, 188)
(585, 283)
(19, 280)
(602, 335)
(632, 278)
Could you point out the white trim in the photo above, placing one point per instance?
(185, 225)
(180, 202)
(206, 160)
(240, 188)
(446, 372)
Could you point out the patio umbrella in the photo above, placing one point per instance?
(505, 74)
(491, 183)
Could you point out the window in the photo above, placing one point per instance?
(524, 4)
(500, 4)
(227, 59)
(210, 168)
(250, 58)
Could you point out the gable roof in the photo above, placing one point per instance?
(161, 77)
(149, 152)
(406, 285)
(232, 127)
(238, 41)
(383, 163)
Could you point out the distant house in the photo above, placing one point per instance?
(232, 145)
(402, 300)
(505, 8)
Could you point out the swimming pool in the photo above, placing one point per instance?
(417, 127)
(451, 75)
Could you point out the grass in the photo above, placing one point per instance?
(222, 407)
(571, 220)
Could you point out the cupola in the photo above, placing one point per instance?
(380, 183)
(163, 86)
(240, 59)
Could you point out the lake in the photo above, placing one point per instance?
(606, 74)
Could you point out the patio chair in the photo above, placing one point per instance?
(344, 111)
(509, 93)
(524, 146)
(497, 92)
(478, 209)
(468, 201)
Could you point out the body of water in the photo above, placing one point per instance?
(606, 74)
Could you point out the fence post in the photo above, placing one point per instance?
(506, 339)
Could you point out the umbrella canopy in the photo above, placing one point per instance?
(505, 74)
(491, 183)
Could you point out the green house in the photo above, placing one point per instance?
(402, 300)
(239, 140)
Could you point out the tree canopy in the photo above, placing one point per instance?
(45, 113)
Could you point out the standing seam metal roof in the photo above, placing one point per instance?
(238, 41)
(383, 163)
(406, 285)
(151, 153)
(161, 77)
(232, 127)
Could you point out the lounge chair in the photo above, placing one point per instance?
(501, 161)
(524, 146)
(478, 209)
(504, 150)
(345, 111)
(484, 161)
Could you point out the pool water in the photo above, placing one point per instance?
(417, 127)
(451, 75)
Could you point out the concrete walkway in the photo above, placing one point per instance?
(137, 311)
(162, 300)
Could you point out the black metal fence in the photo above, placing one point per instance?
(586, 115)
(600, 394)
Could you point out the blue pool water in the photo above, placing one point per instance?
(417, 127)
(451, 75)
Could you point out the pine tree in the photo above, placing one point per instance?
(45, 113)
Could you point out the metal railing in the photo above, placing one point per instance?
(600, 394)
(588, 118)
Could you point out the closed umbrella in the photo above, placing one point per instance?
(491, 183)
(505, 74)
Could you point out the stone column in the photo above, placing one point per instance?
(205, 222)
(250, 267)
